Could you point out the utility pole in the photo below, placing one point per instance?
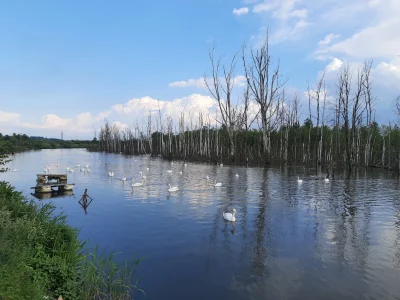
(62, 135)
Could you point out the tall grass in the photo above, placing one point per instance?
(40, 255)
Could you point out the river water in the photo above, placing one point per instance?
(314, 240)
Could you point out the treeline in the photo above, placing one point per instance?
(339, 130)
(22, 142)
(376, 146)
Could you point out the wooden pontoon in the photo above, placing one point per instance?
(49, 187)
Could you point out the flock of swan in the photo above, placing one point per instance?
(227, 216)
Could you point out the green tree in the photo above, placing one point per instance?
(3, 161)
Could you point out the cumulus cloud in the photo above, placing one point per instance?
(334, 65)
(138, 109)
(240, 11)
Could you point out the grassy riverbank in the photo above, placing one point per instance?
(40, 255)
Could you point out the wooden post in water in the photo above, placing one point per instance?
(84, 202)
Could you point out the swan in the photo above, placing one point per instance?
(237, 175)
(208, 178)
(123, 178)
(221, 165)
(185, 165)
(216, 184)
(326, 179)
(136, 183)
(299, 180)
(169, 171)
(180, 172)
(229, 216)
(111, 174)
(172, 188)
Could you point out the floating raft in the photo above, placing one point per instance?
(49, 187)
(50, 177)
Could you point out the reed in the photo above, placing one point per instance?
(41, 256)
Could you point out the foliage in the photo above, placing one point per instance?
(41, 251)
(3, 161)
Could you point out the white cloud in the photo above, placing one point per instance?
(138, 109)
(289, 19)
(241, 11)
(388, 74)
(328, 39)
(374, 36)
(199, 83)
(334, 65)
(7, 117)
(378, 41)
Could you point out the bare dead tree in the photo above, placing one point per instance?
(344, 89)
(222, 92)
(265, 84)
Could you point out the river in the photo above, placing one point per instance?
(315, 240)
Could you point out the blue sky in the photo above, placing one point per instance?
(67, 65)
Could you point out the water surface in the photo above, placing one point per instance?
(315, 240)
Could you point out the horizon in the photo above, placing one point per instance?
(67, 67)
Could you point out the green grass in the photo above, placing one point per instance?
(41, 255)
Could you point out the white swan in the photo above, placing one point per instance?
(237, 175)
(217, 184)
(299, 180)
(136, 183)
(172, 188)
(221, 165)
(123, 178)
(326, 179)
(229, 216)
(180, 172)
(169, 171)
(185, 165)
(111, 174)
(207, 177)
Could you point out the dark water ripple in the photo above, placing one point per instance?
(315, 240)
